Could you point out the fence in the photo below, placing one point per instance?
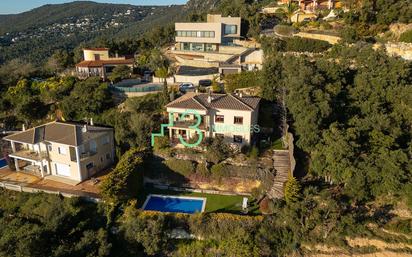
(194, 190)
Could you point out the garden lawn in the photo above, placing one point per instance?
(214, 203)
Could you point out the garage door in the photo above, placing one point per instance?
(62, 169)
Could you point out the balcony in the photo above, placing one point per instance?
(187, 123)
(86, 155)
(29, 155)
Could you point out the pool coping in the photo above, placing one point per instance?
(204, 199)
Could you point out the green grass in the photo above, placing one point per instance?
(214, 203)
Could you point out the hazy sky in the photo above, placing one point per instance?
(17, 6)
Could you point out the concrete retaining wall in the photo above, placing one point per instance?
(329, 38)
(26, 189)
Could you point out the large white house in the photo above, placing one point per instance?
(232, 117)
(67, 152)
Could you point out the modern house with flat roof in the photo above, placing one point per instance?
(216, 44)
(66, 152)
(98, 63)
(207, 36)
(231, 117)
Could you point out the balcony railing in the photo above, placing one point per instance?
(188, 123)
(30, 155)
(87, 155)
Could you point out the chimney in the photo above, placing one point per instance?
(91, 122)
(24, 127)
(209, 98)
(117, 55)
(84, 129)
(241, 94)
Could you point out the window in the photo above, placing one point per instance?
(106, 140)
(50, 148)
(230, 29)
(197, 47)
(238, 120)
(194, 34)
(89, 166)
(97, 57)
(237, 139)
(219, 118)
(62, 150)
(210, 48)
(82, 150)
(93, 146)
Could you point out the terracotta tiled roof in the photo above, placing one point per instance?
(100, 63)
(218, 101)
(59, 132)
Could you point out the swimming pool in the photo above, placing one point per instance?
(168, 203)
(3, 163)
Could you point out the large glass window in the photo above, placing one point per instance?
(185, 46)
(184, 33)
(230, 29)
(197, 47)
(210, 48)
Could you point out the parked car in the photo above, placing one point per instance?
(186, 87)
(205, 83)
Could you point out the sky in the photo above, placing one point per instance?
(18, 6)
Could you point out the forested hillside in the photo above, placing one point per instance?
(36, 34)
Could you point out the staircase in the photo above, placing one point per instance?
(281, 163)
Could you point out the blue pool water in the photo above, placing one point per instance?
(3, 163)
(174, 204)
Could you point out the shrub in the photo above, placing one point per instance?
(183, 167)
(217, 151)
(254, 153)
(284, 30)
(401, 226)
(126, 180)
(297, 44)
(161, 143)
(349, 34)
(292, 190)
(406, 37)
(242, 80)
(217, 171)
(266, 206)
(202, 170)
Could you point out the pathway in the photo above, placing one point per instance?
(281, 163)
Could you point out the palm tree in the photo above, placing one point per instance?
(289, 10)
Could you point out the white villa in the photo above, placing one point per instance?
(65, 152)
(232, 117)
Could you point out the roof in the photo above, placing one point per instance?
(59, 132)
(199, 101)
(101, 63)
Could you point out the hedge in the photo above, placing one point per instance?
(298, 44)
